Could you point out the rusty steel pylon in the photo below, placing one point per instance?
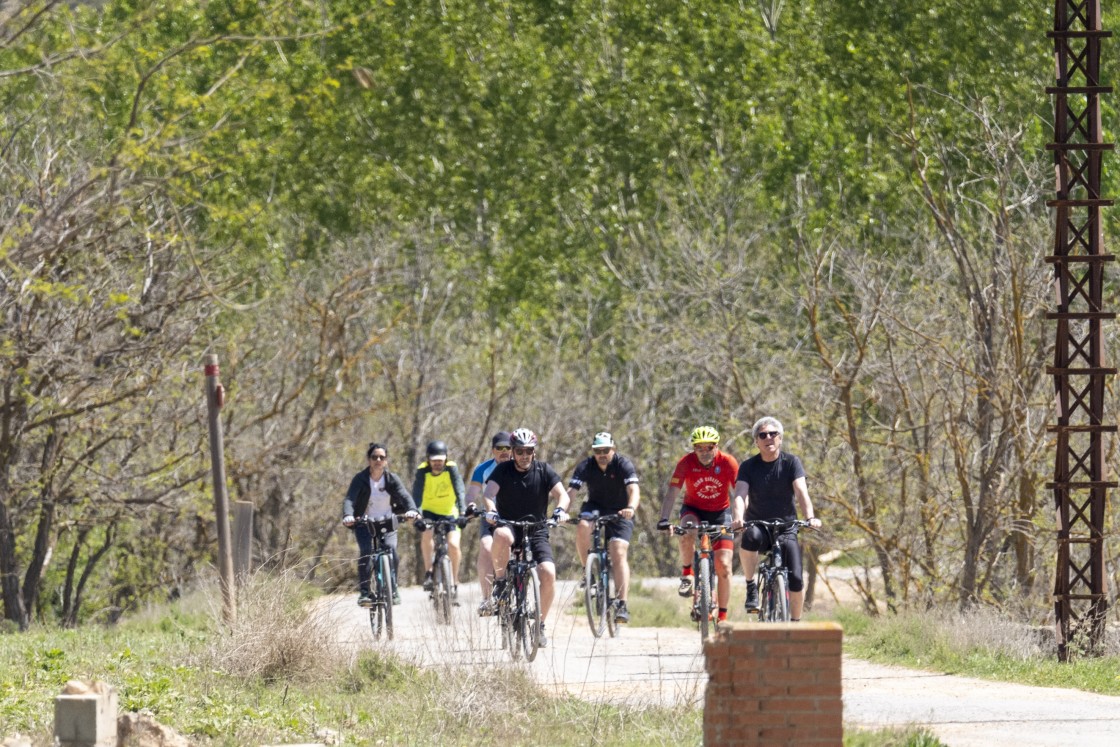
(1080, 488)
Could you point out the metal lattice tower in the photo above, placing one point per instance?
(1080, 490)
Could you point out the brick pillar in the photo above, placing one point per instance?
(774, 683)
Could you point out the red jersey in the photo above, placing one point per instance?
(706, 488)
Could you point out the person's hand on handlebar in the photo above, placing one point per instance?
(491, 517)
(815, 523)
(421, 525)
(663, 525)
(348, 520)
(560, 516)
(411, 514)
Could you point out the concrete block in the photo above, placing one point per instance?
(86, 715)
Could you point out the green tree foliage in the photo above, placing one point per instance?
(406, 219)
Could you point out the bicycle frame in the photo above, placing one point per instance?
(773, 574)
(704, 604)
(443, 580)
(381, 577)
(599, 591)
(519, 608)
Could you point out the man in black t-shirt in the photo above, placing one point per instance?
(766, 487)
(520, 490)
(612, 488)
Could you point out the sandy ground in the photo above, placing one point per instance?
(665, 666)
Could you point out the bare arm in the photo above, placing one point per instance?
(633, 498)
(739, 505)
(801, 492)
(669, 501)
(560, 495)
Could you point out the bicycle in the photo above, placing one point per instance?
(381, 576)
(519, 604)
(704, 609)
(599, 592)
(444, 589)
(773, 575)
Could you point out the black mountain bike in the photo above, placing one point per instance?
(704, 606)
(381, 576)
(519, 605)
(599, 592)
(773, 575)
(443, 582)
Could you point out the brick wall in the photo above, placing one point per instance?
(772, 684)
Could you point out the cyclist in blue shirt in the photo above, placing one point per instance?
(612, 487)
(501, 449)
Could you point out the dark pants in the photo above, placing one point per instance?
(758, 539)
(365, 550)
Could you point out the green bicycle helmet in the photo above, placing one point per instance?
(704, 434)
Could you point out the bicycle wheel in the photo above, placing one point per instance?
(385, 598)
(441, 592)
(531, 615)
(781, 598)
(512, 613)
(375, 608)
(765, 598)
(612, 600)
(704, 595)
(594, 594)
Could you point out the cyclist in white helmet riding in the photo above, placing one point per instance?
(520, 490)
(612, 487)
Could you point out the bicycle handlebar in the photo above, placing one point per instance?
(596, 517)
(531, 524)
(704, 528)
(778, 523)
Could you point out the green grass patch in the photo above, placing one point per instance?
(268, 680)
(981, 644)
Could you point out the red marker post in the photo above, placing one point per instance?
(215, 398)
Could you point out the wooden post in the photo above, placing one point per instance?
(215, 398)
(242, 541)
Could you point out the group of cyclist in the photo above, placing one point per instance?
(515, 486)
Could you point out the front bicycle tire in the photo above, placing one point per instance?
(375, 623)
(594, 595)
(385, 598)
(704, 596)
(612, 600)
(530, 632)
(512, 619)
(781, 598)
(442, 591)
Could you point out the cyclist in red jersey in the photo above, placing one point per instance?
(707, 478)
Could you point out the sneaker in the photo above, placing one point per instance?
(582, 583)
(685, 589)
(454, 596)
(542, 639)
(621, 614)
(364, 599)
(428, 583)
(752, 597)
(486, 609)
(396, 596)
(499, 590)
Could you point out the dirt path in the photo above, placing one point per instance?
(665, 666)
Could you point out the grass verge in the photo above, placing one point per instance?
(982, 644)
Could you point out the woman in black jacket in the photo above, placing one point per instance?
(378, 494)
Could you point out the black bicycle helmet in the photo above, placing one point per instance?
(437, 449)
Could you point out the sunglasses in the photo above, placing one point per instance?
(602, 452)
(501, 448)
(703, 447)
(763, 435)
(378, 458)
(523, 452)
